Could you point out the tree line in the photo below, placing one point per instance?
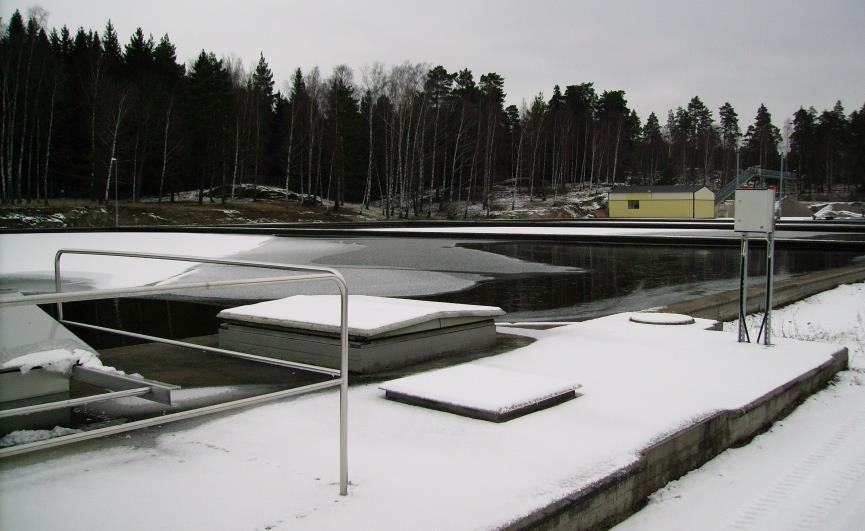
(86, 116)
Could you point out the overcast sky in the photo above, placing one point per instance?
(785, 53)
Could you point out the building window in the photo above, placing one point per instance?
(634, 205)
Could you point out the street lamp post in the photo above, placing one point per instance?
(738, 144)
(116, 177)
(785, 149)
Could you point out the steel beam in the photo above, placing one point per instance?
(157, 391)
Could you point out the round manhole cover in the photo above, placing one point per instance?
(662, 318)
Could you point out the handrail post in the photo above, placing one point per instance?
(57, 283)
(343, 387)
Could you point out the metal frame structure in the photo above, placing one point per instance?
(755, 214)
(766, 326)
(307, 273)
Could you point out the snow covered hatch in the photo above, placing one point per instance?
(384, 333)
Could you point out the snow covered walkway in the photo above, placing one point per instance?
(275, 466)
(808, 471)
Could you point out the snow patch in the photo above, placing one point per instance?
(28, 436)
(61, 361)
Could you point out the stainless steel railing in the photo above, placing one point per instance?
(306, 273)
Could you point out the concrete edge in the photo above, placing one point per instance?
(724, 306)
(481, 414)
(614, 498)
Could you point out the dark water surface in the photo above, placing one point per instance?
(626, 278)
(592, 280)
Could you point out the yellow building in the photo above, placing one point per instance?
(661, 202)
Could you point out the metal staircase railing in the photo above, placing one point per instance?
(744, 176)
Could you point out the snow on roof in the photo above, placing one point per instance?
(659, 189)
(368, 316)
(473, 386)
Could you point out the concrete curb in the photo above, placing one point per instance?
(612, 499)
(725, 306)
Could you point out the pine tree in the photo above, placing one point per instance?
(262, 100)
(208, 103)
(111, 49)
(297, 99)
(700, 137)
(831, 133)
(802, 146)
(581, 101)
(654, 146)
(762, 139)
(856, 149)
(438, 86)
(492, 88)
(170, 75)
(138, 65)
(730, 135)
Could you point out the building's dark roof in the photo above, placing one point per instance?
(687, 188)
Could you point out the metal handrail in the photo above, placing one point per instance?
(312, 273)
(728, 189)
(60, 404)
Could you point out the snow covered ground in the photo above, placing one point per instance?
(808, 471)
(275, 466)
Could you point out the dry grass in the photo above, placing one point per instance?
(81, 213)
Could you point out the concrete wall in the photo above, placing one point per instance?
(364, 356)
(725, 306)
(614, 498)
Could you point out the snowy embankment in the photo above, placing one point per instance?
(409, 466)
(808, 471)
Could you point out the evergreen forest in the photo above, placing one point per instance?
(81, 110)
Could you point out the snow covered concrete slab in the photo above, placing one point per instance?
(367, 316)
(642, 384)
(807, 470)
(482, 392)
